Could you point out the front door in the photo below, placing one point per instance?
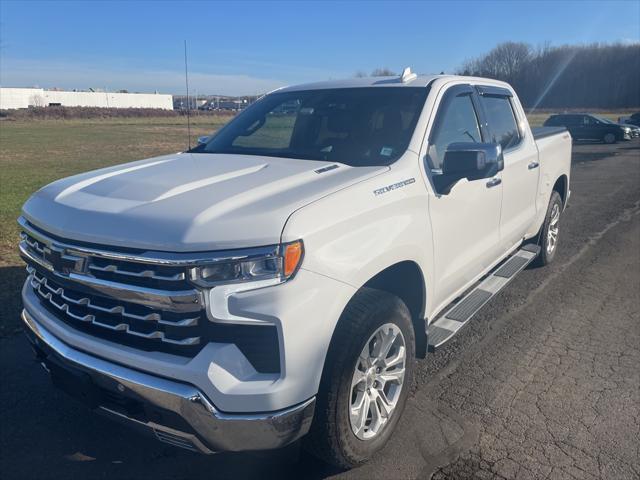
(466, 219)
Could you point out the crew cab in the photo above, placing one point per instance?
(279, 280)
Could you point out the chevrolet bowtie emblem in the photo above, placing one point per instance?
(58, 259)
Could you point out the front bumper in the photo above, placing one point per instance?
(176, 413)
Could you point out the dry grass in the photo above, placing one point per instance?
(35, 153)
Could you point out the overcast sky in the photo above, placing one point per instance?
(248, 47)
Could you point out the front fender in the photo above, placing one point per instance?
(355, 233)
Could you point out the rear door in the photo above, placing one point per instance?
(575, 125)
(591, 128)
(521, 168)
(466, 219)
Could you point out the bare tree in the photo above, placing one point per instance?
(36, 101)
(585, 76)
(383, 72)
(504, 62)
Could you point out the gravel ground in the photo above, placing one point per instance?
(544, 382)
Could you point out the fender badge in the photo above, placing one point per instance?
(394, 186)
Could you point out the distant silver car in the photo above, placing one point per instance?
(633, 130)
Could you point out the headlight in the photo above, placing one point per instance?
(278, 263)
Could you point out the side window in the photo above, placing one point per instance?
(502, 120)
(456, 121)
(574, 120)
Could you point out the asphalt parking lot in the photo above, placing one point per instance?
(544, 383)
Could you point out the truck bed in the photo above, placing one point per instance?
(541, 132)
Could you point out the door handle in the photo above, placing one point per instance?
(533, 165)
(494, 182)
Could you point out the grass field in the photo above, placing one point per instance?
(35, 153)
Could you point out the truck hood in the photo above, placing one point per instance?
(187, 202)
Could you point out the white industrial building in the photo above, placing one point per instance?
(12, 98)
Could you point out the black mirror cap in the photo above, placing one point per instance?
(473, 159)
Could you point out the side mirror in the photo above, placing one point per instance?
(472, 160)
(203, 139)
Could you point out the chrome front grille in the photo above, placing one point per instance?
(114, 317)
(139, 299)
(165, 277)
(146, 305)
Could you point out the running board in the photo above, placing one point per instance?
(458, 315)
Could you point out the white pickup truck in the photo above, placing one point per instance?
(279, 280)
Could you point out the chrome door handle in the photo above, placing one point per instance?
(533, 165)
(494, 182)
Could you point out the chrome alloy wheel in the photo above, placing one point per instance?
(377, 381)
(553, 229)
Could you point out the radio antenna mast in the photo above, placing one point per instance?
(186, 80)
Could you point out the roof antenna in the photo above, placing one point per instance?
(186, 80)
(407, 76)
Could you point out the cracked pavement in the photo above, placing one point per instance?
(543, 383)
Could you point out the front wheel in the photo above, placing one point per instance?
(366, 379)
(610, 138)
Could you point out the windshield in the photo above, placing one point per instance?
(354, 126)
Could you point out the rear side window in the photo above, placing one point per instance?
(456, 122)
(553, 121)
(502, 121)
(571, 120)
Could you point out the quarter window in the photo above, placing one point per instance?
(502, 121)
(456, 122)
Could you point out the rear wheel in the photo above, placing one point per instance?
(550, 232)
(609, 138)
(366, 380)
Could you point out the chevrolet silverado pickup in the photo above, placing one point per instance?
(278, 281)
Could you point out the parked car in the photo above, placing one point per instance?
(630, 130)
(583, 126)
(631, 120)
(633, 130)
(279, 280)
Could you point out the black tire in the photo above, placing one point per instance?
(331, 437)
(546, 257)
(610, 138)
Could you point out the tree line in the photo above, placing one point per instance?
(586, 76)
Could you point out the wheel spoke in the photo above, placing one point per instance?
(376, 415)
(396, 375)
(358, 378)
(383, 403)
(394, 360)
(383, 344)
(363, 412)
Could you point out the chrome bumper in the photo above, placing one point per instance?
(176, 413)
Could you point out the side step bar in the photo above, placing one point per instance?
(458, 315)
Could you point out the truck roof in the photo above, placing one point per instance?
(395, 81)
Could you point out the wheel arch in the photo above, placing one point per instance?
(405, 280)
(562, 187)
